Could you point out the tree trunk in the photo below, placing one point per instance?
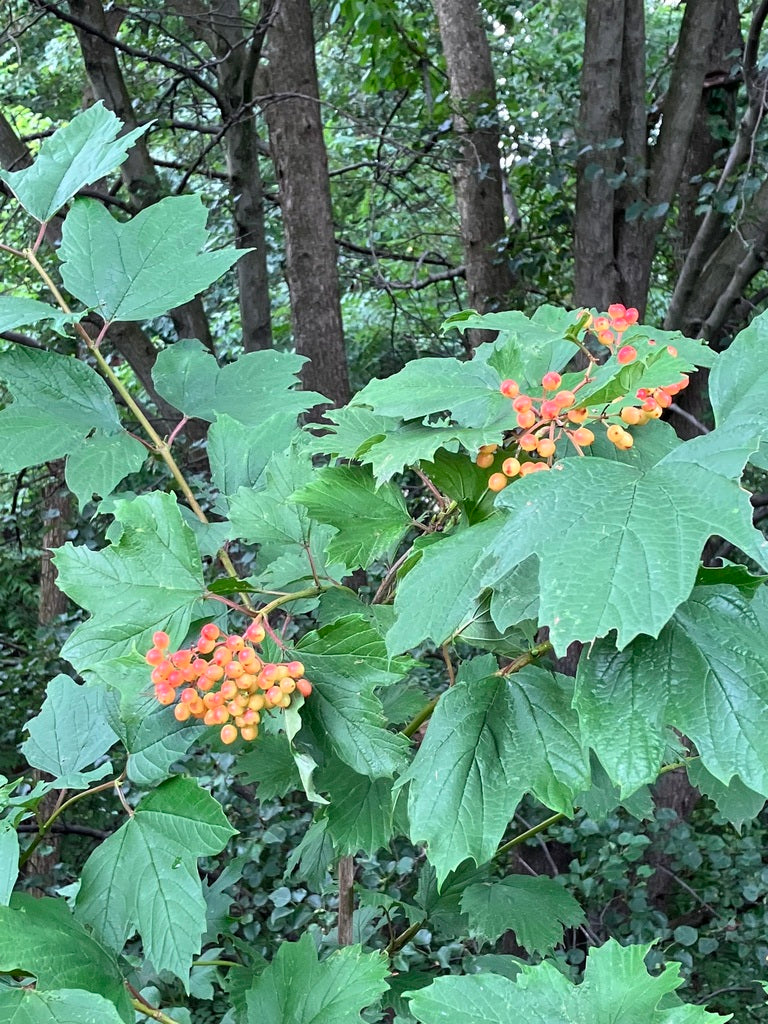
(301, 167)
(57, 511)
(478, 181)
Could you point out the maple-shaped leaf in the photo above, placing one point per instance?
(141, 268)
(535, 909)
(617, 989)
(74, 156)
(144, 877)
(489, 742)
(62, 1006)
(297, 989)
(598, 528)
(150, 579)
(706, 675)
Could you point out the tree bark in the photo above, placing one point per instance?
(478, 180)
(57, 512)
(138, 171)
(301, 166)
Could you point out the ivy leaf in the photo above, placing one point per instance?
(595, 526)
(16, 312)
(251, 389)
(144, 877)
(535, 909)
(74, 156)
(9, 860)
(57, 402)
(616, 989)
(736, 802)
(150, 579)
(360, 811)
(296, 989)
(141, 268)
(70, 732)
(346, 661)
(41, 937)
(100, 462)
(489, 743)
(469, 390)
(65, 1006)
(370, 522)
(706, 675)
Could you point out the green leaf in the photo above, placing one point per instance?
(141, 268)
(345, 662)
(65, 1006)
(251, 390)
(9, 860)
(296, 989)
(313, 856)
(74, 156)
(489, 742)
(360, 811)
(410, 443)
(144, 877)
(41, 937)
(152, 737)
(70, 732)
(616, 989)
(736, 802)
(57, 402)
(706, 675)
(598, 527)
(370, 522)
(738, 385)
(100, 462)
(535, 909)
(270, 764)
(469, 390)
(150, 579)
(238, 453)
(349, 432)
(18, 312)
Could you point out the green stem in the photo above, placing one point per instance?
(149, 1011)
(530, 833)
(46, 826)
(421, 718)
(296, 596)
(217, 963)
(406, 936)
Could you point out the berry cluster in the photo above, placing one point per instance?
(555, 415)
(223, 681)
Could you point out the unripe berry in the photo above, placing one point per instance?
(526, 419)
(182, 713)
(210, 631)
(486, 448)
(249, 732)
(606, 338)
(248, 682)
(509, 388)
(274, 693)
(615, 433)
(522, 403)
(484, 460)
(626, 354)
(528, 442)
(161, 639)
(496, 482)
(546, 448)
(655, 414)
(551, 381)
(510, 467)
(304, 687)
(583, 437)
(228, 689)
(631, 415)
(288, 685)
(578, 415)
(228, 734)
(256, 702)
(564, 399)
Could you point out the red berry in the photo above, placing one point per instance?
(551, 381)
(522, 403)
(161, 639)
(626, 354)
(154, 656)
(510, 388)
(549, 409)
(526, 419)
(565, 399)
(496, 482)
(255, 632)
(304, 687)
(210, 631)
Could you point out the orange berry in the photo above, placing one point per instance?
(509, 388)
(522, 403)
(295, 669)
(228, 689)
(684, 381)
(606, 338)
(496, 482)
(526, 419)
(255, 632)
(546, 448)
(538, 466)
(269, 673)
(210, 631)
(578, 415)
(627, 354)
(614, 433)
(510, 467)
(484, 460)
(662, 398)
(650, 404)
(228, 734)
(549, 409)
(182, 713)
(551, 381)
(527, 468)
(165, 694)
(528, 442)
(189, 695)
(175, 678)
(304, 687)
(256, 702)
(234, 670)
(583, 437)
(161, 639)
(234, 643)
(249, 732)
(631, 415)
(205, 646)
(488, 448)
(154, 656)
(564, 399)
(617, 310)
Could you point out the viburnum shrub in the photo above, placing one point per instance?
(209, 611)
